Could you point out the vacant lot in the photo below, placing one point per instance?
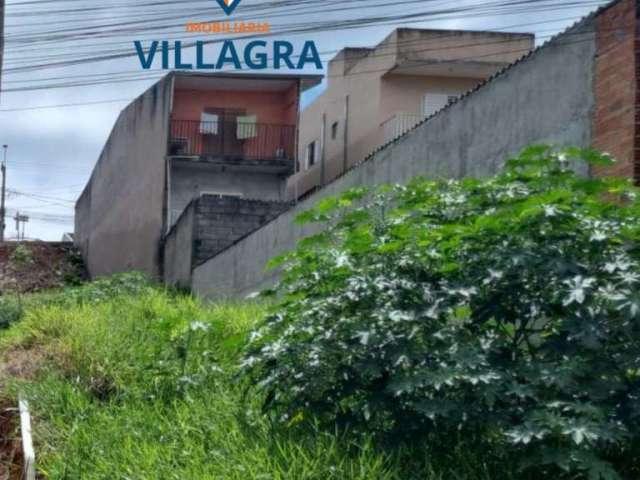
(127, 380)
(33, 266)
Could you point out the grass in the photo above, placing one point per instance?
(134, 382)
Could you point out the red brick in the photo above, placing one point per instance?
(616, 118)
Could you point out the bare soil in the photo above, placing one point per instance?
(14, 363)
(26, 268)
(11, 459)
(33, 266)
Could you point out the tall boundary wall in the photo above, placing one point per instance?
(120, 214)
(561, 93)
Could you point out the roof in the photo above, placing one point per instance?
(307, 80)
(363, 51)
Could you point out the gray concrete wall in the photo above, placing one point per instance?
(189, 180)
(123, 228)
(178, 252)
(547, 97)
(82, 221)
(210, 224)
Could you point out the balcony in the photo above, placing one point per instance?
(399, 124)
(235, 144)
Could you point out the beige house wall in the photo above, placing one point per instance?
(366, 87)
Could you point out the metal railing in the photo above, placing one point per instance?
(398, 124)
(233, 140)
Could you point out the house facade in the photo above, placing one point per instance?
(191, 153)
(375, 95)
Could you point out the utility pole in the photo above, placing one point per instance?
(20, 219)
(4, 184)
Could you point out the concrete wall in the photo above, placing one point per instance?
(191, 179)
(275, 108)
(425, 46)
(178, 250)
(120, 214)
(547, 97)
(208, 225)
(82, 223)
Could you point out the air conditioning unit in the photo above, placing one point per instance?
(179, 146)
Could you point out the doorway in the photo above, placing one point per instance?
(220, 134)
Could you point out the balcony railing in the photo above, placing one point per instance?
(233, 140)
(399, 124)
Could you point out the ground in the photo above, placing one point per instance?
(34, 266)
(26, 268)
(124, 378)
(10, 445)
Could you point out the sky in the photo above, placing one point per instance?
(52, 149)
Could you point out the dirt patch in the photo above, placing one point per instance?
(11, 458)
(23, 364)
(20, 363)
(32, 266)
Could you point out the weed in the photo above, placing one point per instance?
(140, 383)
(22, 256)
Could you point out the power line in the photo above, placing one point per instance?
(58, 36)
(40, 197)
(309, 27)
(133, 76)
(505, 28)
(63, 105)
(371, 55)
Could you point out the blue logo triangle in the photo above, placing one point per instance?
(228, 6)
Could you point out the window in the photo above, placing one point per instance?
(433, 102)
(334, 130)
(209, 123)
(246, 127)
(310, 158)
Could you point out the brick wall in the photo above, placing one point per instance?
(223, 220)
(615, 119)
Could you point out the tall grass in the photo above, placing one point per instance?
(141, 385)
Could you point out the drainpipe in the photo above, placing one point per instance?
(169, 214)
(296, 158)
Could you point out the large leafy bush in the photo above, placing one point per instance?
(503, 311)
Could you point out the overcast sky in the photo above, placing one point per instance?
(53, 150)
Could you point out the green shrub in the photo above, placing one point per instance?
(10, 311)
(21, 256)
(503, 311)
(102, 290)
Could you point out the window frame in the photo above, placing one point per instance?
(310, 154)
